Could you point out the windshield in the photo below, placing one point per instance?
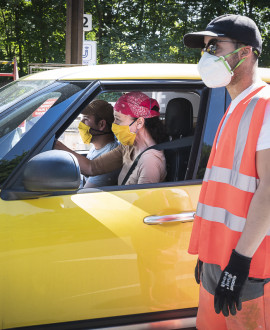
(18, 90)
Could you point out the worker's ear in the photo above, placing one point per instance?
(245, 52)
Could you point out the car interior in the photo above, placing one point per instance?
(179, 113)
(182, 112)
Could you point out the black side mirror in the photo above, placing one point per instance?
(53, 170)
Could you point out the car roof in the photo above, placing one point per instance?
(128, 71)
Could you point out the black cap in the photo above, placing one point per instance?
(237, 27)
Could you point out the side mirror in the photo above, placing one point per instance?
(53, 170)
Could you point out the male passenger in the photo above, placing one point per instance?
(232, 224)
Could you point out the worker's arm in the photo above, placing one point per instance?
(258, 219)
(85, 163)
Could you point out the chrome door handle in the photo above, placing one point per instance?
(160, 220)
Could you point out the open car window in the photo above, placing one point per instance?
(47, 113)
(18, 123)
(71, 137)
(177, 160)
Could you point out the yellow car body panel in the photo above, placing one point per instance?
(129, 71)
(57, 254)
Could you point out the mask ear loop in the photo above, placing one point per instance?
(223, 59)
(133, 122)
(240, 62)
(96, 130)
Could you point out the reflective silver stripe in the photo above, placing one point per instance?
(242, 132)
(237, 180)
(217, 214)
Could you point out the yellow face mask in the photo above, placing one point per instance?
(123, 134)
(84, 133)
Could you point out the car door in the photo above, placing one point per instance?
(91, 255)
(99, 256)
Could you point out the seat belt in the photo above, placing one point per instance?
(175, 144)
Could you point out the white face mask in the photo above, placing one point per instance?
(216, 71)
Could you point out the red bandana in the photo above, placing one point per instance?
(137, 104)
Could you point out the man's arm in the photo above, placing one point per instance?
(85, 163)
(258, 219)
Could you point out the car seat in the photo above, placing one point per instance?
(178, 123)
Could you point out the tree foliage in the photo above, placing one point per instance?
(33, 31)
(125, 30)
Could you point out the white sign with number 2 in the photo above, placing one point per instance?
(87, 22)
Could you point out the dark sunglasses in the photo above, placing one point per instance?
(212, 46)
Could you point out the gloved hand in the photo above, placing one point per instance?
(198, 270)
(231, 283)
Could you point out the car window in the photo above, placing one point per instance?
(12, 127)
(46, 109)
(18, 90)
(71, 137)
(18, 120)
(215, 113)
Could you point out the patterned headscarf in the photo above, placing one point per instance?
(137, 104)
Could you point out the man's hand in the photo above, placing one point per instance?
(231, 283)
(198, 270)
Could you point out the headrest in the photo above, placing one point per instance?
(179, 117)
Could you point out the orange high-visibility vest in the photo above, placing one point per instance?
(229, 184)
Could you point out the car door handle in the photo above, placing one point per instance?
(160, 220)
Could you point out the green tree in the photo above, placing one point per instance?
(126, 31)
(152, 30)
(33, 31)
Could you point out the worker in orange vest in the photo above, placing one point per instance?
(231, 231)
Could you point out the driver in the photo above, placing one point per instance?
(95, 128)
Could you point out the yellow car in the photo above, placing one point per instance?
(107, 257)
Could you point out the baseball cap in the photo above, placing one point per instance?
(137, 104)
(240, 28)
(100, 109)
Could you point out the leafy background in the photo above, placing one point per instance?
(126, 31)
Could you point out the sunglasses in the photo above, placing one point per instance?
(212, 46)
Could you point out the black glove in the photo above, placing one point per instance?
(198, 270)
(231, 283)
